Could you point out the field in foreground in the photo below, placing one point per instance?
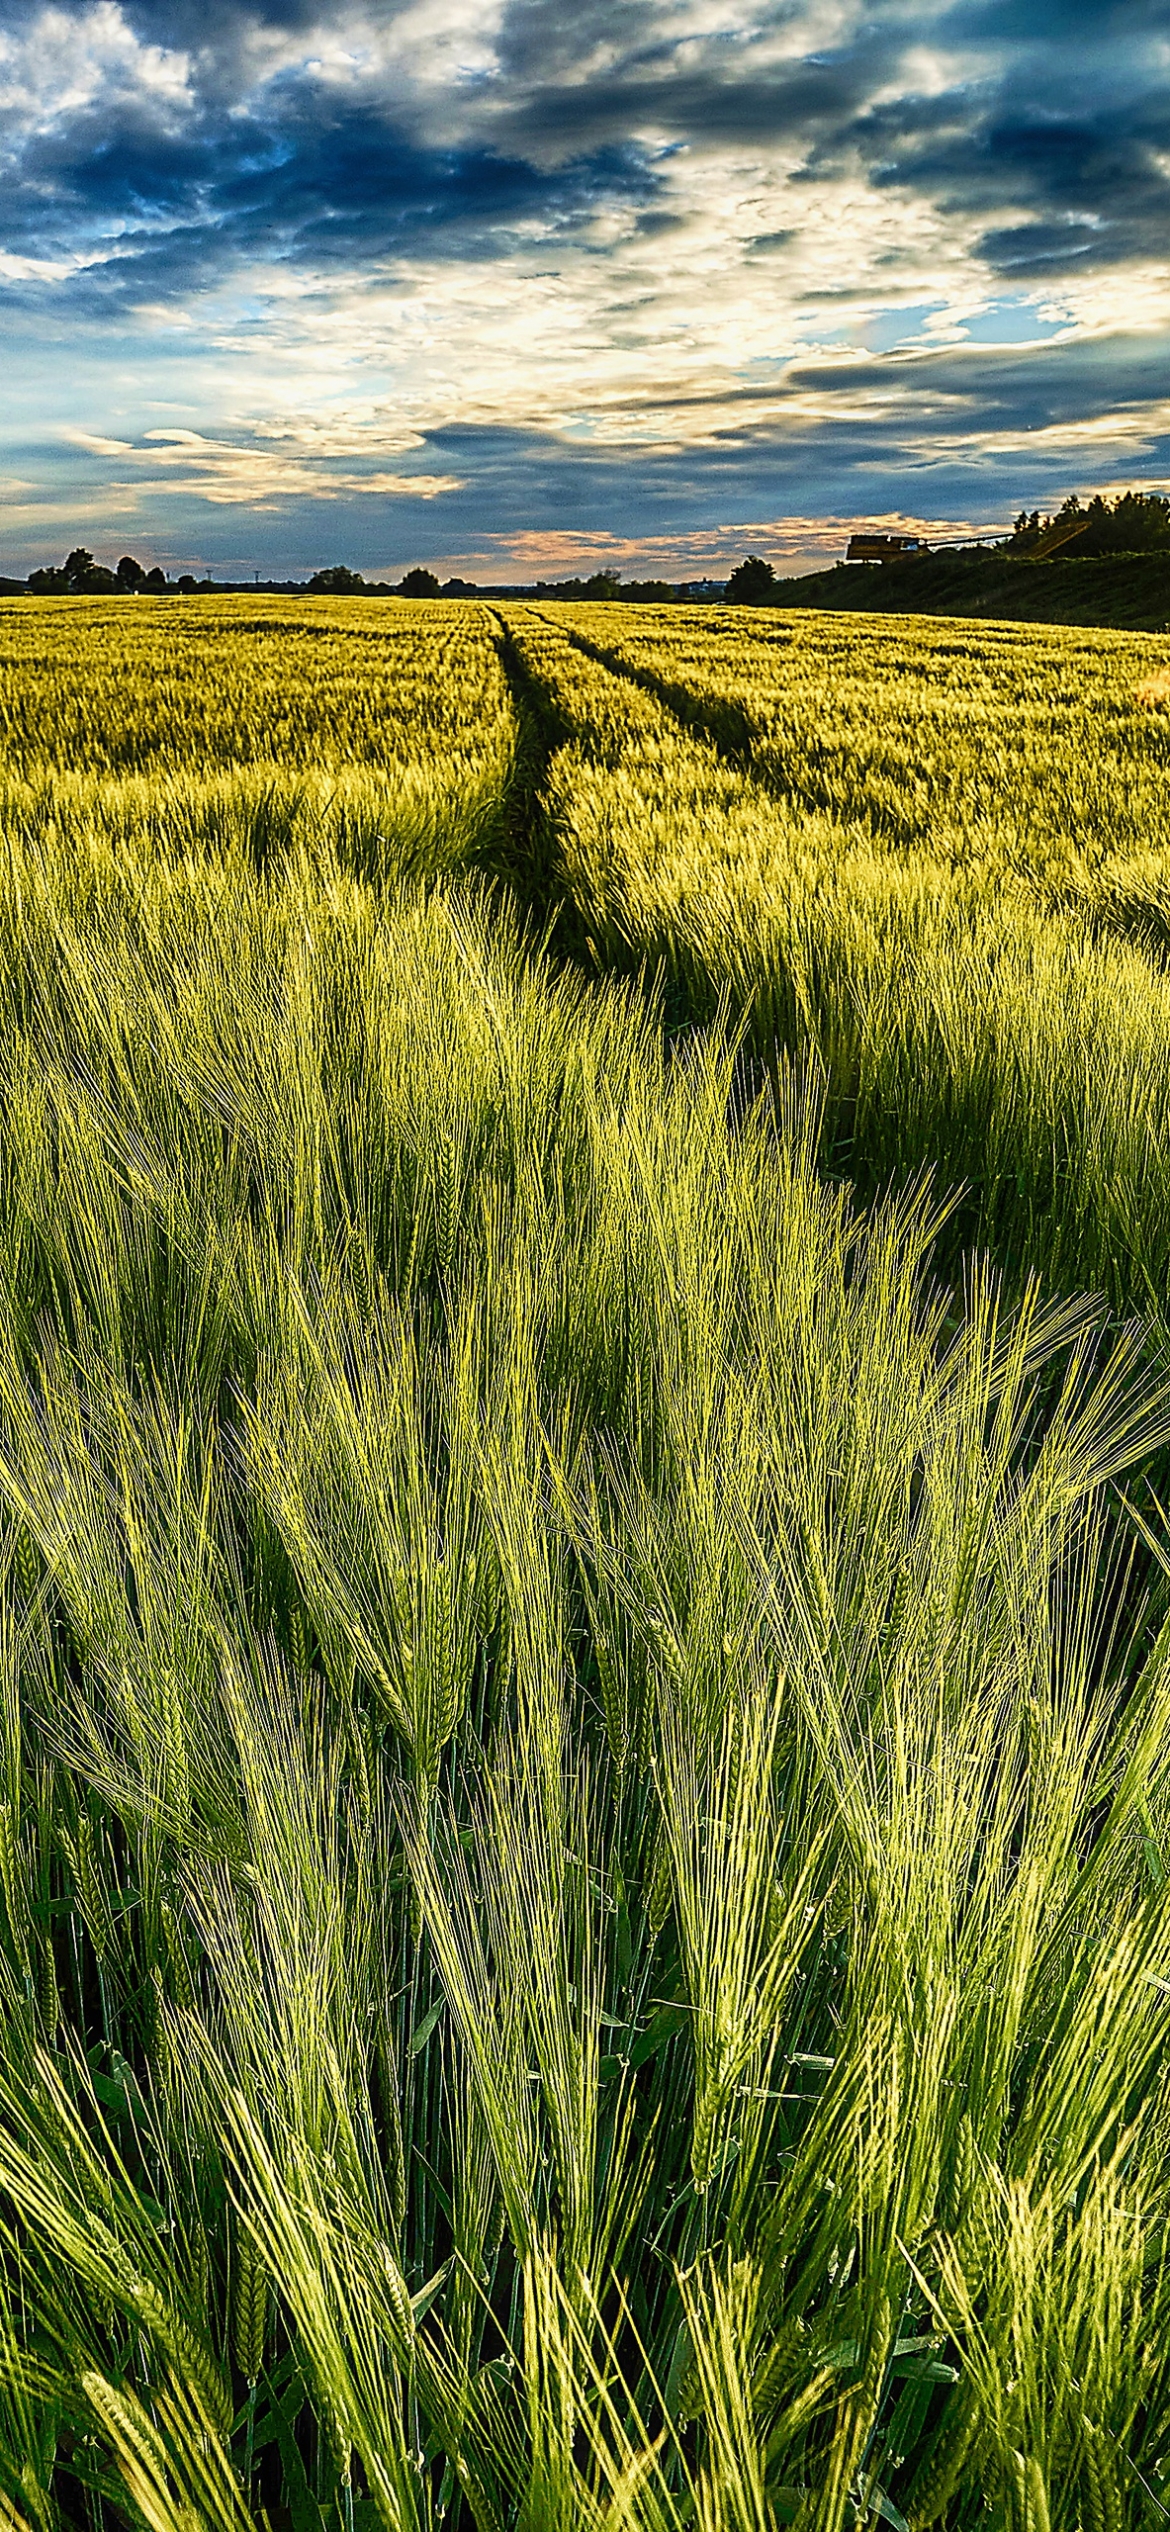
(584, 1823)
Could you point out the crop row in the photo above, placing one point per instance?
(957, 1020)
(1014, 754)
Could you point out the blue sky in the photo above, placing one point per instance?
(518, 287)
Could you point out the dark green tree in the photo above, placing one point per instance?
(751, 583)
(1140, 522)
(334, 581)
(129, 574)
(419, 584)
(1135, 523)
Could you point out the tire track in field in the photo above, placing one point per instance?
(726, 725)
(1006, 1212)
(527, 857)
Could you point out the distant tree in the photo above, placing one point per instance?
(155, 580)
(751, 583)
(335, 581)
(600, 584)
(78, 574)
(459, 589)
(649, 593)
(187, 582)
(129, 574)
(419, 584)
(1026, 531)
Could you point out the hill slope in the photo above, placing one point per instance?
(1131, 591)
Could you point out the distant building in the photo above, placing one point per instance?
(883, 549)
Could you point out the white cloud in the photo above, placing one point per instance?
(64, 64)
(97, 444)
(18, 270)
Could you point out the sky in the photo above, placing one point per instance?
(521, 288)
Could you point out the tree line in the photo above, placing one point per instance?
(1135, 523)
(1132, 523)
(80, 576)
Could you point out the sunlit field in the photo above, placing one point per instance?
(584, 1643)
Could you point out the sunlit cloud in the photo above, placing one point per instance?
(709, 551)
(185, 462)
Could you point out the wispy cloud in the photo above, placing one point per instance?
(185, 462)
(793, 541)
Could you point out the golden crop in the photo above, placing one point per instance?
(981, 987)
(1006, 753)
(247, 726)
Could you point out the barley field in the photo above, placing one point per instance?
(584, 1633)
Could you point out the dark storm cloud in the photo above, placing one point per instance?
(1095, 182)
(1064, 24)
(1068, 124)
(326, 185)
(1054, 144)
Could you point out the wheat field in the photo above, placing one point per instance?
(584, 1645)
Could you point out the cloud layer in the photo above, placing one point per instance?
(474, 280)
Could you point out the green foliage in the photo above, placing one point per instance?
(603, 585)
(752, 583)
(1133, 523)
(336, 582)
(584, 1924)
(81, 576)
